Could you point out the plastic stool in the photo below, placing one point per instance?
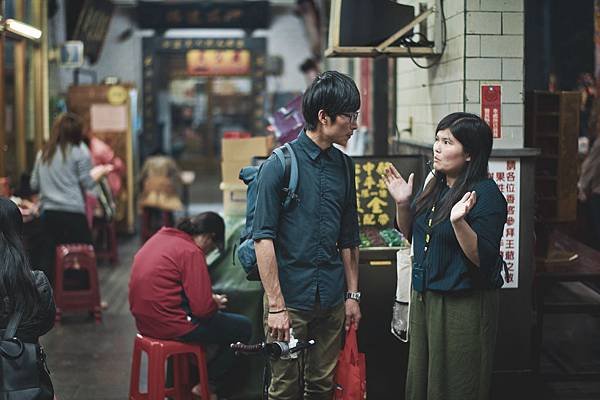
(79, 257)
(158, 352)
(105, 243)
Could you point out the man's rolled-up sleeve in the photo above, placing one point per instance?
(349, 235)
(268, 200)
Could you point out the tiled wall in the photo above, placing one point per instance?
(484, 45)
(494, 54)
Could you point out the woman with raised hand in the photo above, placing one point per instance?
(455, 224)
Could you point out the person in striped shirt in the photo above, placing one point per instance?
(455, 223)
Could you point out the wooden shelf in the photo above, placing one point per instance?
(552, 124)
(394, 51)
(335, 49)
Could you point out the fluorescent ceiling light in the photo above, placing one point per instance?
(22, 29)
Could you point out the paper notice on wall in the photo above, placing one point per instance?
(106, 117)
(506, 174)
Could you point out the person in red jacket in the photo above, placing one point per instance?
(170, 293)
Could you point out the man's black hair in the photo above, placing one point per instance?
(333, 92)
(206, 222)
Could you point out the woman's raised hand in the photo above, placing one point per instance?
(100, 171)
(399, 189)
(463, 206)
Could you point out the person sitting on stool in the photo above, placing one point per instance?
(170, 293)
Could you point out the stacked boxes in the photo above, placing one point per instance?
(237, 154)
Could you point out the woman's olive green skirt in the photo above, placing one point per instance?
(452, 339)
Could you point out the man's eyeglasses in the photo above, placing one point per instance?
(353, 117)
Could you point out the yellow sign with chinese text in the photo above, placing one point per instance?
(214, 62)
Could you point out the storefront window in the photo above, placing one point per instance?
(21, 81)
(29, 8)
(9, 8)
(195, 111)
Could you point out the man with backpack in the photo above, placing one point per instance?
(307, 251)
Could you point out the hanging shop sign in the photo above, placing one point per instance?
(204, 14)
(506, 174)
(218, 62)
(491, 106)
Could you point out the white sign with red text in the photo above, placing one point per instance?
(506, 174)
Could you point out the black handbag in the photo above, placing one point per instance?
(23, 371)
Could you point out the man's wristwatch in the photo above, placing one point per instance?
(353, 296)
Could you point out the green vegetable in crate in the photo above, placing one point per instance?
(364, 241)
(392, 237)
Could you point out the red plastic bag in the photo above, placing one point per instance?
(351, 373)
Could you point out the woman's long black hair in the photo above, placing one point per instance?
(476, 137)
(15, 273)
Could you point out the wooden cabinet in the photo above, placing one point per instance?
(552, 125)
(108, 112)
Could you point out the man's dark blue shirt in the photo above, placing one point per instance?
(309, 235)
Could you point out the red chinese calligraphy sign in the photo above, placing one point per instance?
(491, 108)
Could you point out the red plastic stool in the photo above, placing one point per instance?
(147, 230)
(79, 257)
(105, 240)
(158, 352)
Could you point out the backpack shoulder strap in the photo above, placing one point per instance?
(293, 180)
(289, 163)
(283, 155)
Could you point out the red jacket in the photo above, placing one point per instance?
(168, 266)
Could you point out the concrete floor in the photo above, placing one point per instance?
(92, 362)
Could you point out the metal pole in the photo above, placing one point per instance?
(380, 106)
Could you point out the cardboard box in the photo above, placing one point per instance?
(245, 149)
(230, 171)
(234, 199)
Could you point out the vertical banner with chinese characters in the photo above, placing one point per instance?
(372, 195)
(506, 174)
(376, 209)
(491, 105)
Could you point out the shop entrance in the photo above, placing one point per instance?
(195, 92)
(198, 111)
